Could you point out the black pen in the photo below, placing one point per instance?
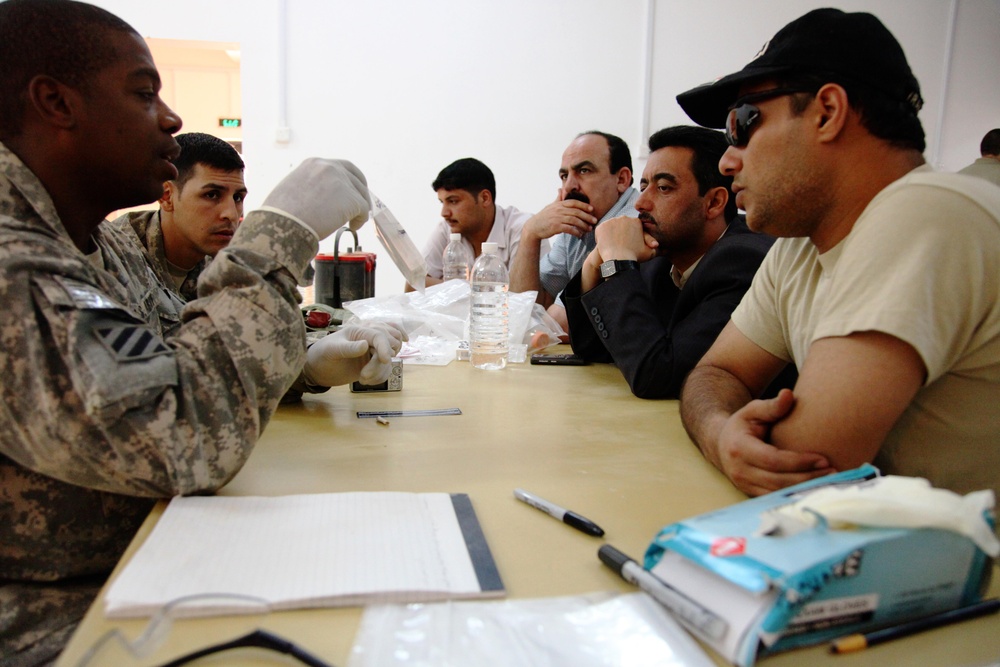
(706, 623)
(858, 642)
(570, 518)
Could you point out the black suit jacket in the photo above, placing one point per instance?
(656, 333)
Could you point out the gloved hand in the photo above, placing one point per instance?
(361, 352)
(323, 195)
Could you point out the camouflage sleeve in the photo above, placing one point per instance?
(95, 398)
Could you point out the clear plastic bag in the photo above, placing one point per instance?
(597, 630)
(442, 312)
(398, 244)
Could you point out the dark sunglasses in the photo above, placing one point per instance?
(743, 114)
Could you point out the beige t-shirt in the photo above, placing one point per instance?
(922, 263)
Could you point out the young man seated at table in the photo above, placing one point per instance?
(467, 191)
(656, 290)
(104, 413)
(883, 292)
(197, 215)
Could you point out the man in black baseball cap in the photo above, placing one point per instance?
(882, 291)
(850, 48)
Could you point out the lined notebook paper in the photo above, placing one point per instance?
(318, 550)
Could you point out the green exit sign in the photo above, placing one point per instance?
(230, 122)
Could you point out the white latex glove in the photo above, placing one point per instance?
(360, 352)
(323, 195)
(896, 502)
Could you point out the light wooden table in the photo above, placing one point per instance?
(573, 435)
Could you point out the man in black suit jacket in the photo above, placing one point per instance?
(657, 290)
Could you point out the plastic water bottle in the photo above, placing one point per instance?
(455, 259)
(488, 324)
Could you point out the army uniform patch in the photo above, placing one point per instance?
(130, 342)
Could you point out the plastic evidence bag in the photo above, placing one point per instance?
(400, 247)
(596, 630)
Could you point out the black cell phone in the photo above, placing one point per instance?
(558, 359)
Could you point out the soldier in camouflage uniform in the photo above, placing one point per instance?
(198, 212)
(213, 203)
(102, 413)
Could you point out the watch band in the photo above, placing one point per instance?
(615, 266)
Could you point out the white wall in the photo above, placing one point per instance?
(203, 81)
(402, 88)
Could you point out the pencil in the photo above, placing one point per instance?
(859, 642)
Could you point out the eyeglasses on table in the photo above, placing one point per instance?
(243, 628)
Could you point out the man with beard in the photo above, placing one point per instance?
(656, 291)
(882, 287)
(596, 175)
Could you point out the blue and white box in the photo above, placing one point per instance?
(767, 593)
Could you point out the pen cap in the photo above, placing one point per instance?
(613, 558)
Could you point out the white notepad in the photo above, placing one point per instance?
(319, 550)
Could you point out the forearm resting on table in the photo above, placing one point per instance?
(709, 398)
(738, 442)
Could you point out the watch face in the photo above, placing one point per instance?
(613, 266)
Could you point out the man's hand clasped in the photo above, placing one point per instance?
(566, 216)
(625, 238)
(752, 464)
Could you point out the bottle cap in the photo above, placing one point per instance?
(456, 236)
(489, 248)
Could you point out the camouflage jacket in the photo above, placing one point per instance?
(146, 225)
(103, 411)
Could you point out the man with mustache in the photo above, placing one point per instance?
(656, 291)
(596, 176)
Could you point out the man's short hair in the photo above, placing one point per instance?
(990, 144)
(59, 38)
(708, 147)
(619, 154)
(889, 119)
(201, 148)
(467, 174)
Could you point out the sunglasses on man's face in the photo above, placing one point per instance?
(743, 114)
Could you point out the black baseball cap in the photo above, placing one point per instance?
(854, 47)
